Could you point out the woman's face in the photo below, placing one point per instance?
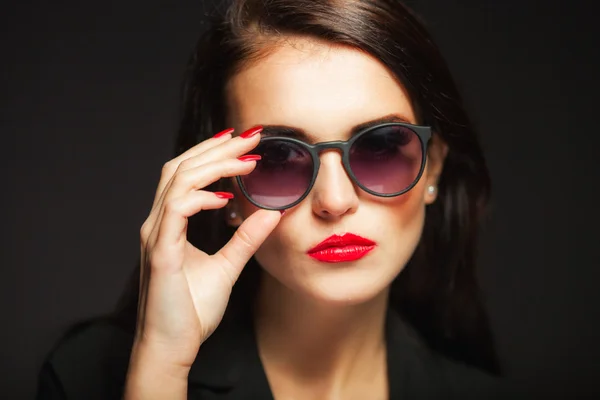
(326, 91)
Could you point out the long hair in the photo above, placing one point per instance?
(438, 291)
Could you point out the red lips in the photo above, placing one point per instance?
(347, 247)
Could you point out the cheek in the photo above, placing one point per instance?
(404, 209)
(401, 223)
(271, 249)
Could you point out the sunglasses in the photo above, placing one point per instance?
(384, 160)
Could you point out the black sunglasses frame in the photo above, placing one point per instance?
(422, 132)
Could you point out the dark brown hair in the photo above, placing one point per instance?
(437, 292)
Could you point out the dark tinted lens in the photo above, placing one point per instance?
(387, 160)
(282, 175)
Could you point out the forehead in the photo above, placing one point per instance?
(322, 89)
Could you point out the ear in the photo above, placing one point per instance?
(436, 155)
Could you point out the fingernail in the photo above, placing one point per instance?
(250, 157)
(224, 195)
(251, 132)
(223, 133)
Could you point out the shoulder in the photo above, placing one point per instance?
(421, 372)
(465, 382)
(451, 379)
(90, 362)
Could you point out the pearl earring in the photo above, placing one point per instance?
(232, 215)
(431, 189)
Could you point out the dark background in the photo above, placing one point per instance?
(89, 109)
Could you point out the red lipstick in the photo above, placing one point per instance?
(347, 247)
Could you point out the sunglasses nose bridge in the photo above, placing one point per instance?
(333, 145)
(337, 146)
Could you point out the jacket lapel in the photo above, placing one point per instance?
(228, 365)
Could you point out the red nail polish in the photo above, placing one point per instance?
(251, 132)
(224, 195)
(223, 133)
(250, 157)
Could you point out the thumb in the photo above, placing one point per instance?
(246, 240)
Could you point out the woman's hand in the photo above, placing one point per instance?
(184, 291)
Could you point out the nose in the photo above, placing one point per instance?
(334, 194)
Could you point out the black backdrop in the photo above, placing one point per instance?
(89, 108)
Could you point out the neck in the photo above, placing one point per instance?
(312, 341)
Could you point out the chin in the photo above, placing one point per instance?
(344, 297)
(334, 284)
(345, 287)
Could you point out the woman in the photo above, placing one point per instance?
(341, 196)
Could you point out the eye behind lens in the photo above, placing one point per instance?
(386, 160)
(281, 177)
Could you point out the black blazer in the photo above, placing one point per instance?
(92, 362)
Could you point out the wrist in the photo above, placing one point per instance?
(149, 355)
(153, 374)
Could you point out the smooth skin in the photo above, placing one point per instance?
(320, 327)
(185, 299)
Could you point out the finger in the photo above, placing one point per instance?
(171, 166)
(226, 149)
(171, 234)
(230, 149)
(199, 178)
(245, 241)
(204, 175)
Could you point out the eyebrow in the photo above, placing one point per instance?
(298, 133)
